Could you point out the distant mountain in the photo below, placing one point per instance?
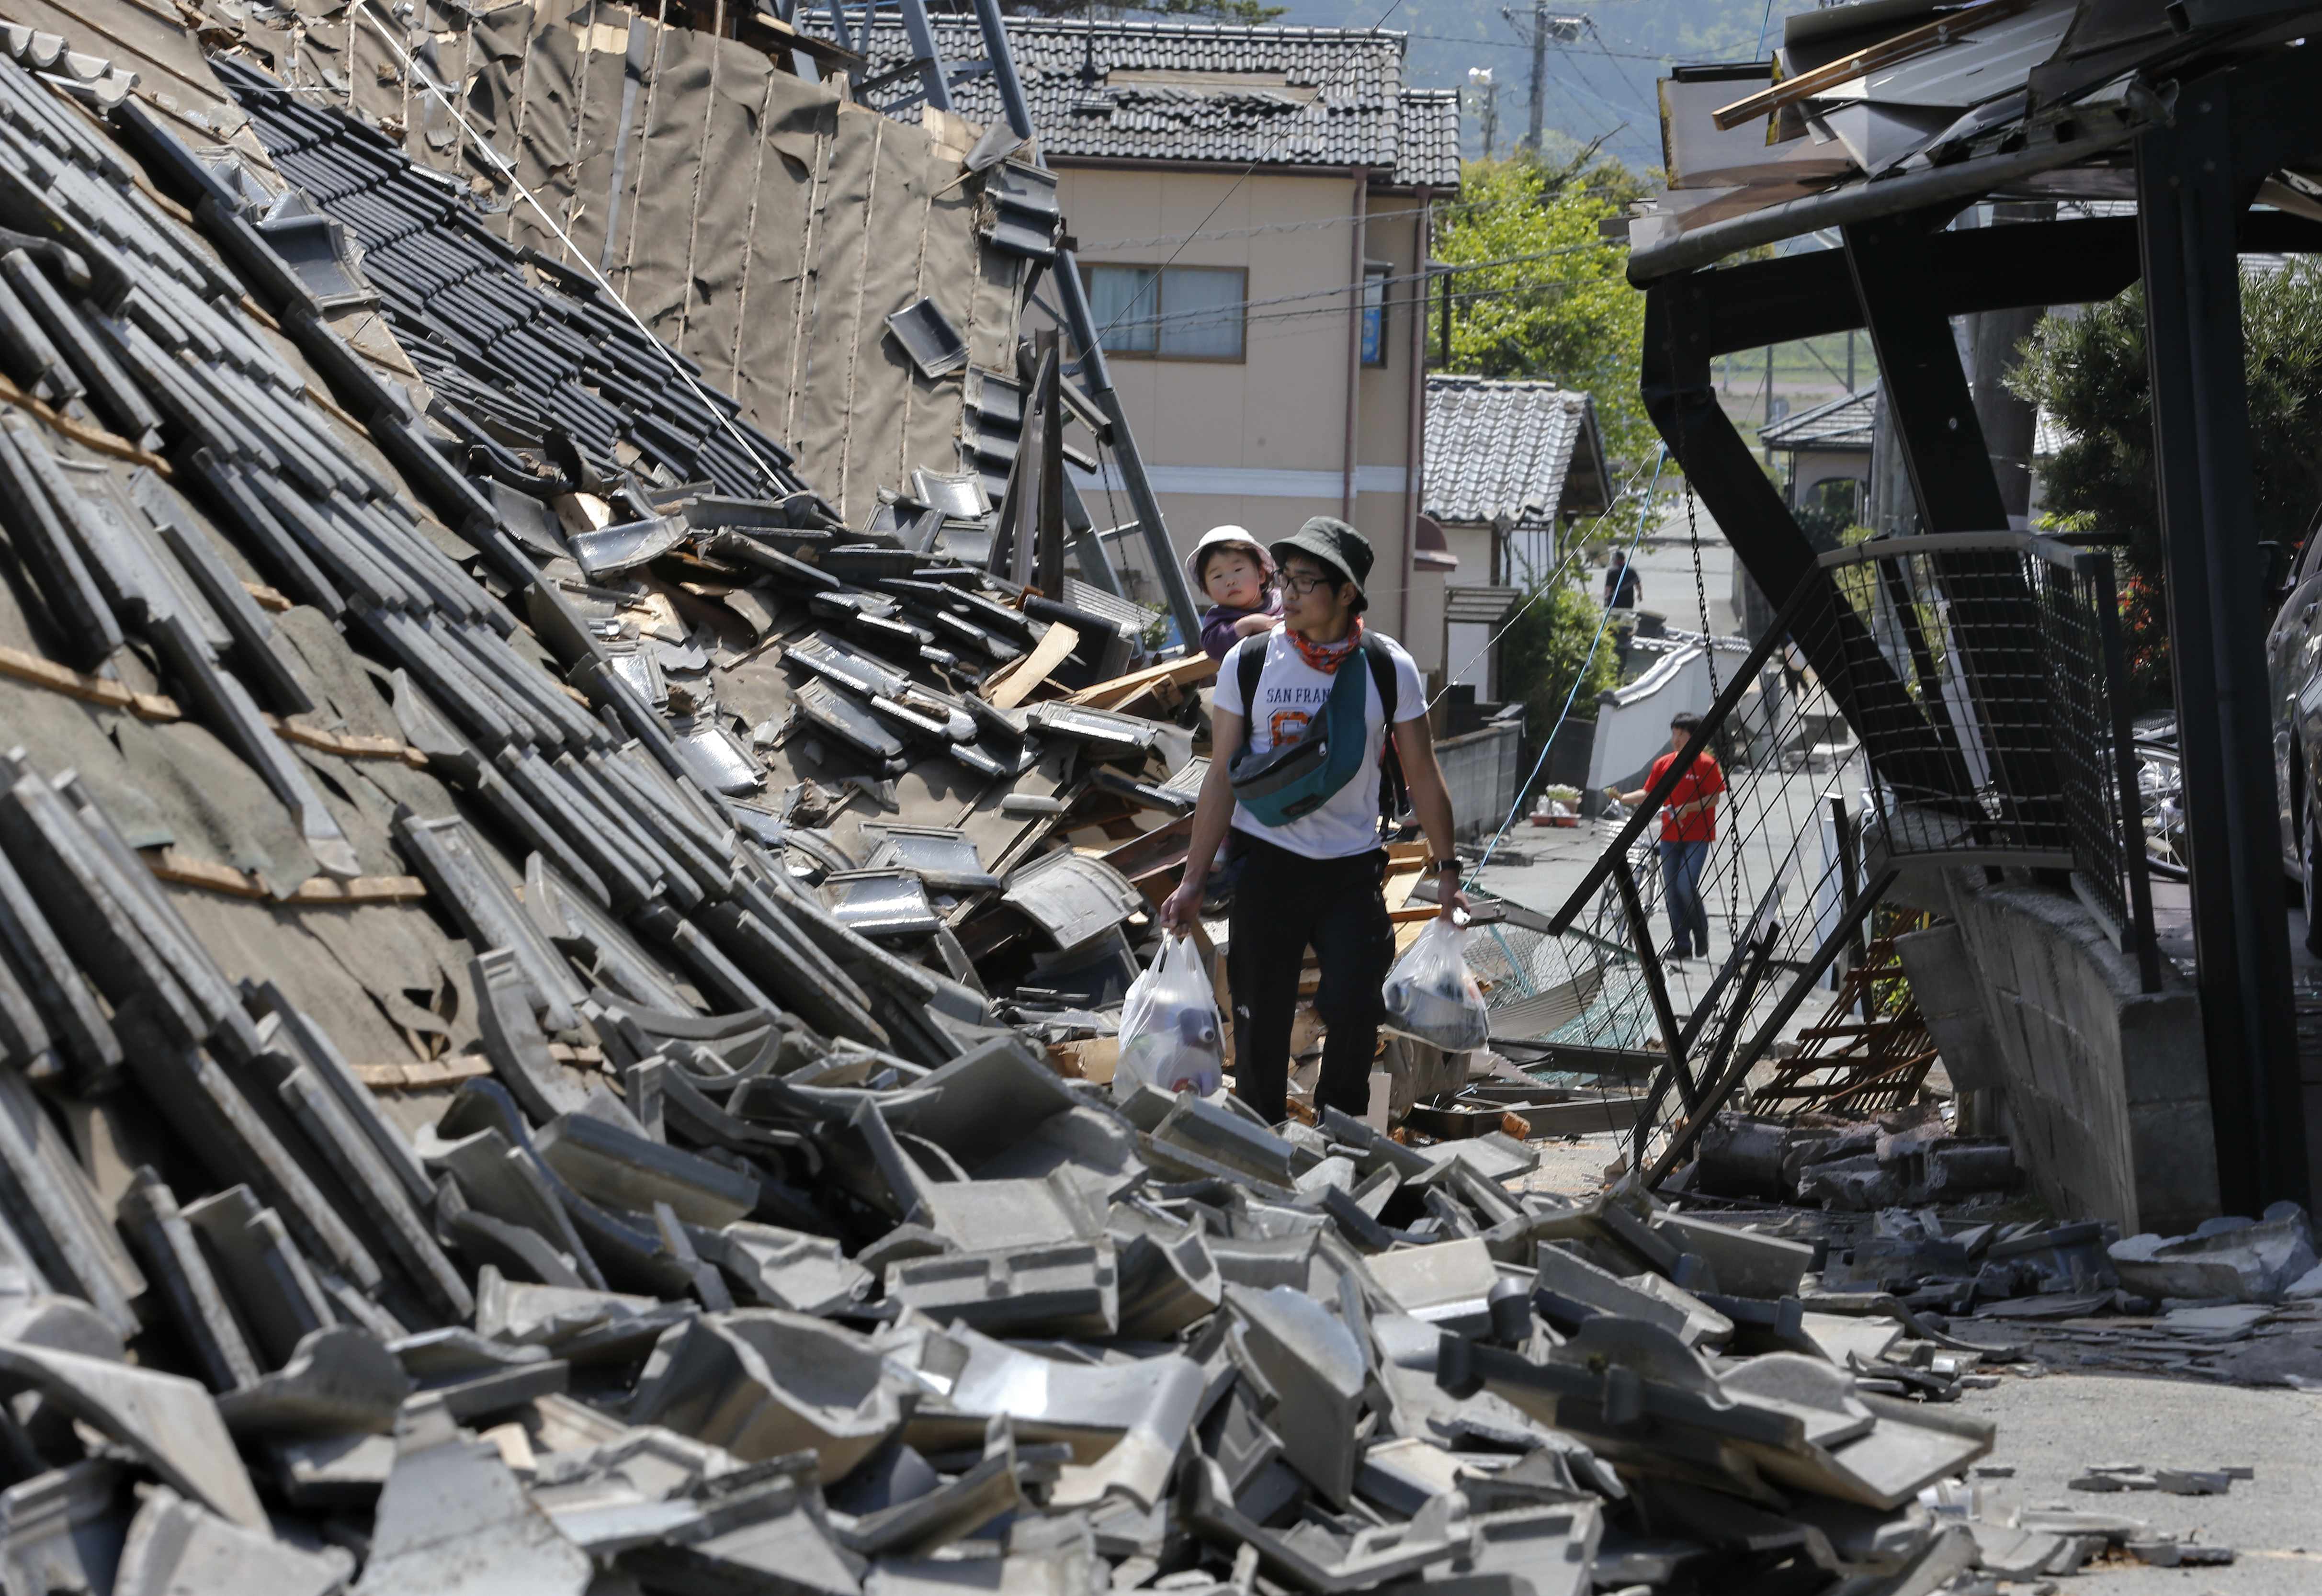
(1597, 81)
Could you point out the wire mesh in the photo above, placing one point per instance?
(1944, 699)
(1576, 1005)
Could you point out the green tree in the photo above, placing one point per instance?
(2087, 372)
(1544, 295)
(1546, 650)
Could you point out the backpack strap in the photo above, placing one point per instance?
(1382, 670)
(1253, 666)
(1394, 789)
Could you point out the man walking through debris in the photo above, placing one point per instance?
(1689, 826)
(1300, 779)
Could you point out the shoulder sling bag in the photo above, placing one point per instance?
(1296, 778)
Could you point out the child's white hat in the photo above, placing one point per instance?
(1227, 536)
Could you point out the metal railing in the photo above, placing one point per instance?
(1928, 701)
(2009, 740)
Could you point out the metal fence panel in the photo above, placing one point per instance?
(1939, 700)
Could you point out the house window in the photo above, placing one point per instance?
(1374, 275)
(1170, 312)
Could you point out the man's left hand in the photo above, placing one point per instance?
(1455, 904)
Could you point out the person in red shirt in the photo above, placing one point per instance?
(1689, 827)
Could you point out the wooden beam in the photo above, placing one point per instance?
(347, 744)
(1919, 40)
(316, 891)
(450, 1072)
(79, 684)
(1125, 690)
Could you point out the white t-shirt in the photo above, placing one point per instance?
(1290, 694)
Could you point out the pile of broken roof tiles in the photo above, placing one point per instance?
(744, 1251)
(505, 358)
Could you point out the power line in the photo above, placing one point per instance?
(1256, 228)
(1640, 55)
(1218, 312)
(1235, 187)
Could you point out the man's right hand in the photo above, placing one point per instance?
(1181, 908)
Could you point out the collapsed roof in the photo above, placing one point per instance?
(760, 223)
(515, 916)
(1888, 106)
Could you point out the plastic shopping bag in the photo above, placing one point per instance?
(1431, 998)
(1170, 1036)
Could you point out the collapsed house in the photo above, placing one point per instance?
(529, 927)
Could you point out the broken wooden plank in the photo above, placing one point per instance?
(1013, 682)
(347, 744)
(188, 871)
(322, 890)
(79, 684)
(1126, 689)
(451, 1072)
(1887, 52)
(185, 870)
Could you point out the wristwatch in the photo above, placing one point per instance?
(1435, 867)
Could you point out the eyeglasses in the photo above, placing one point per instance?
(1303, 585)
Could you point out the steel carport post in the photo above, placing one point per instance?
(933, 72)
(2194, 180)
(1093, 368)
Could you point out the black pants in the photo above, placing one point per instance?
(1284, 903)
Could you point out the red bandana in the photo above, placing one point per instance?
(1327, 657)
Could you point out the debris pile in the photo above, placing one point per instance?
(1907, 1156)
(2226, 1260)
(728, 1223)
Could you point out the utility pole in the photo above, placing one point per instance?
(1539, 70)
(1543, 27)
(1768, 419)
(1480, 78)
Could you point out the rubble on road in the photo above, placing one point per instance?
(2232, 1260)
(2228, 1302)
(542, 1031)
(1907, 1157)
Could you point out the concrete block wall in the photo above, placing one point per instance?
(2105, 1090)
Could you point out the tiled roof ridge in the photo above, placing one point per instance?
(1500, 446)
(1789, 424)
(1447, 380)
(1259, 32)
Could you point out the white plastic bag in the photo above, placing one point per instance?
(1170, 1036)
(1431, 998)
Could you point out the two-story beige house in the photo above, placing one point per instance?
(1251, 207)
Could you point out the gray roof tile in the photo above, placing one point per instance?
(1311, 96)
(1527, 450)
(1843, 423)
(1429, 133)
